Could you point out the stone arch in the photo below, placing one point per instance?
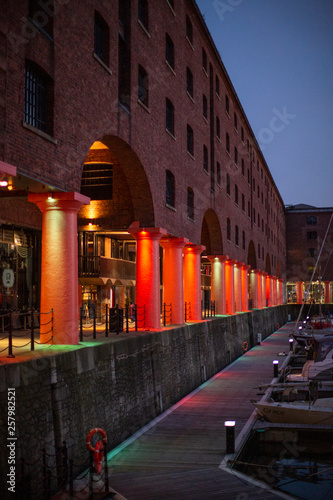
(251, 256)
(129, 198)
(268, 269)
(211, 234)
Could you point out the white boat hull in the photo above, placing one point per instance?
(301, 413)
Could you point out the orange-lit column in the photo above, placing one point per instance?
(245, 288)
(230, 285)
(299, 292)
(275, 290)
(254, 288)
(147, 295)
(263, 289)
(59, 280)
(192, 279)
(218, 281)
(173, 277)
(327, 292)
(238, 285)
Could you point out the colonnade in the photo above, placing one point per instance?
(328, 297)
(181, 273)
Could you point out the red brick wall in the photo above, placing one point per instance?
(86, 109)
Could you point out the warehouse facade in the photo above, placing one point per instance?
(121, 130)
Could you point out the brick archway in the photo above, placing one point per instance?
(211, 234)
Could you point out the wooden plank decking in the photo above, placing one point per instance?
(181, 455)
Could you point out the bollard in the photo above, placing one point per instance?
(259, 336)
(291, 344)
(230, 436)
(276, 368)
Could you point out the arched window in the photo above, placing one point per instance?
(228, 184)
(143, 13)
(189, 30)
(190, 140)
(189, 81)
(236, 235)
(205, 158)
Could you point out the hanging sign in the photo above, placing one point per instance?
(8, 278)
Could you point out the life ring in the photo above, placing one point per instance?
(277, 326)
(98, 450)
(98, 457)
(245, 346)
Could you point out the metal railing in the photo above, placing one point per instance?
(28, 323)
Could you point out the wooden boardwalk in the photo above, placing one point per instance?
(181, 455)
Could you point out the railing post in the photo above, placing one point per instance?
(136, 317)
(10, 337)
(81, 324)
(32, 337)
(126, 314)
(94, 325)
(106, 321)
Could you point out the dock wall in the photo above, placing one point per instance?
(122, 383)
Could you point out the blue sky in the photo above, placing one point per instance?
(279, 56)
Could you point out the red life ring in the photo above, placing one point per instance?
(98, 457)
(99, 447)
(245, 346)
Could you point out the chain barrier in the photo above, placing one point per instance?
(167, 314)
(26, 322)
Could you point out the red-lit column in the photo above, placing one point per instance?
(173, 277)
(299, 292)
(254, 288)
(327, 292)
(230, 285)
(238, 285)
(59, 279)
(147, 295)
(268, 291)
(245, 288)
(218, 281)
(192, 280)
(275, 290)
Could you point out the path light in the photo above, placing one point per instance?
(276, 367)
(230, 435)
(291, 344)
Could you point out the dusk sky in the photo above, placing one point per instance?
(279, 56)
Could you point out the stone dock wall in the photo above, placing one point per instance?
(119, 384)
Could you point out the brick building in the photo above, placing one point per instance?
(309, 254)
(119, 124)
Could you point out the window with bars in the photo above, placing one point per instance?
(38, 98)
(97, 181)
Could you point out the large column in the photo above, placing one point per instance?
(254, 288)
(230, 285)
(280, 295)
(192, 280)
(263, 289)
(327, 292)
(238, 285)
(269, 290)
(173, 277)
(59, 280)
(299, 292)
(148, 275)
(218, 281)
(245, 288)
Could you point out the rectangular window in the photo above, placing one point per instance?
(227, 104)
(143, 86)
(312, 220)
(311, 235)
(143, 13)
(205, 158)
(38, 98)
(204, 59)
(101, 38)
(170, 117)
(169, 51)
(189, 30)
